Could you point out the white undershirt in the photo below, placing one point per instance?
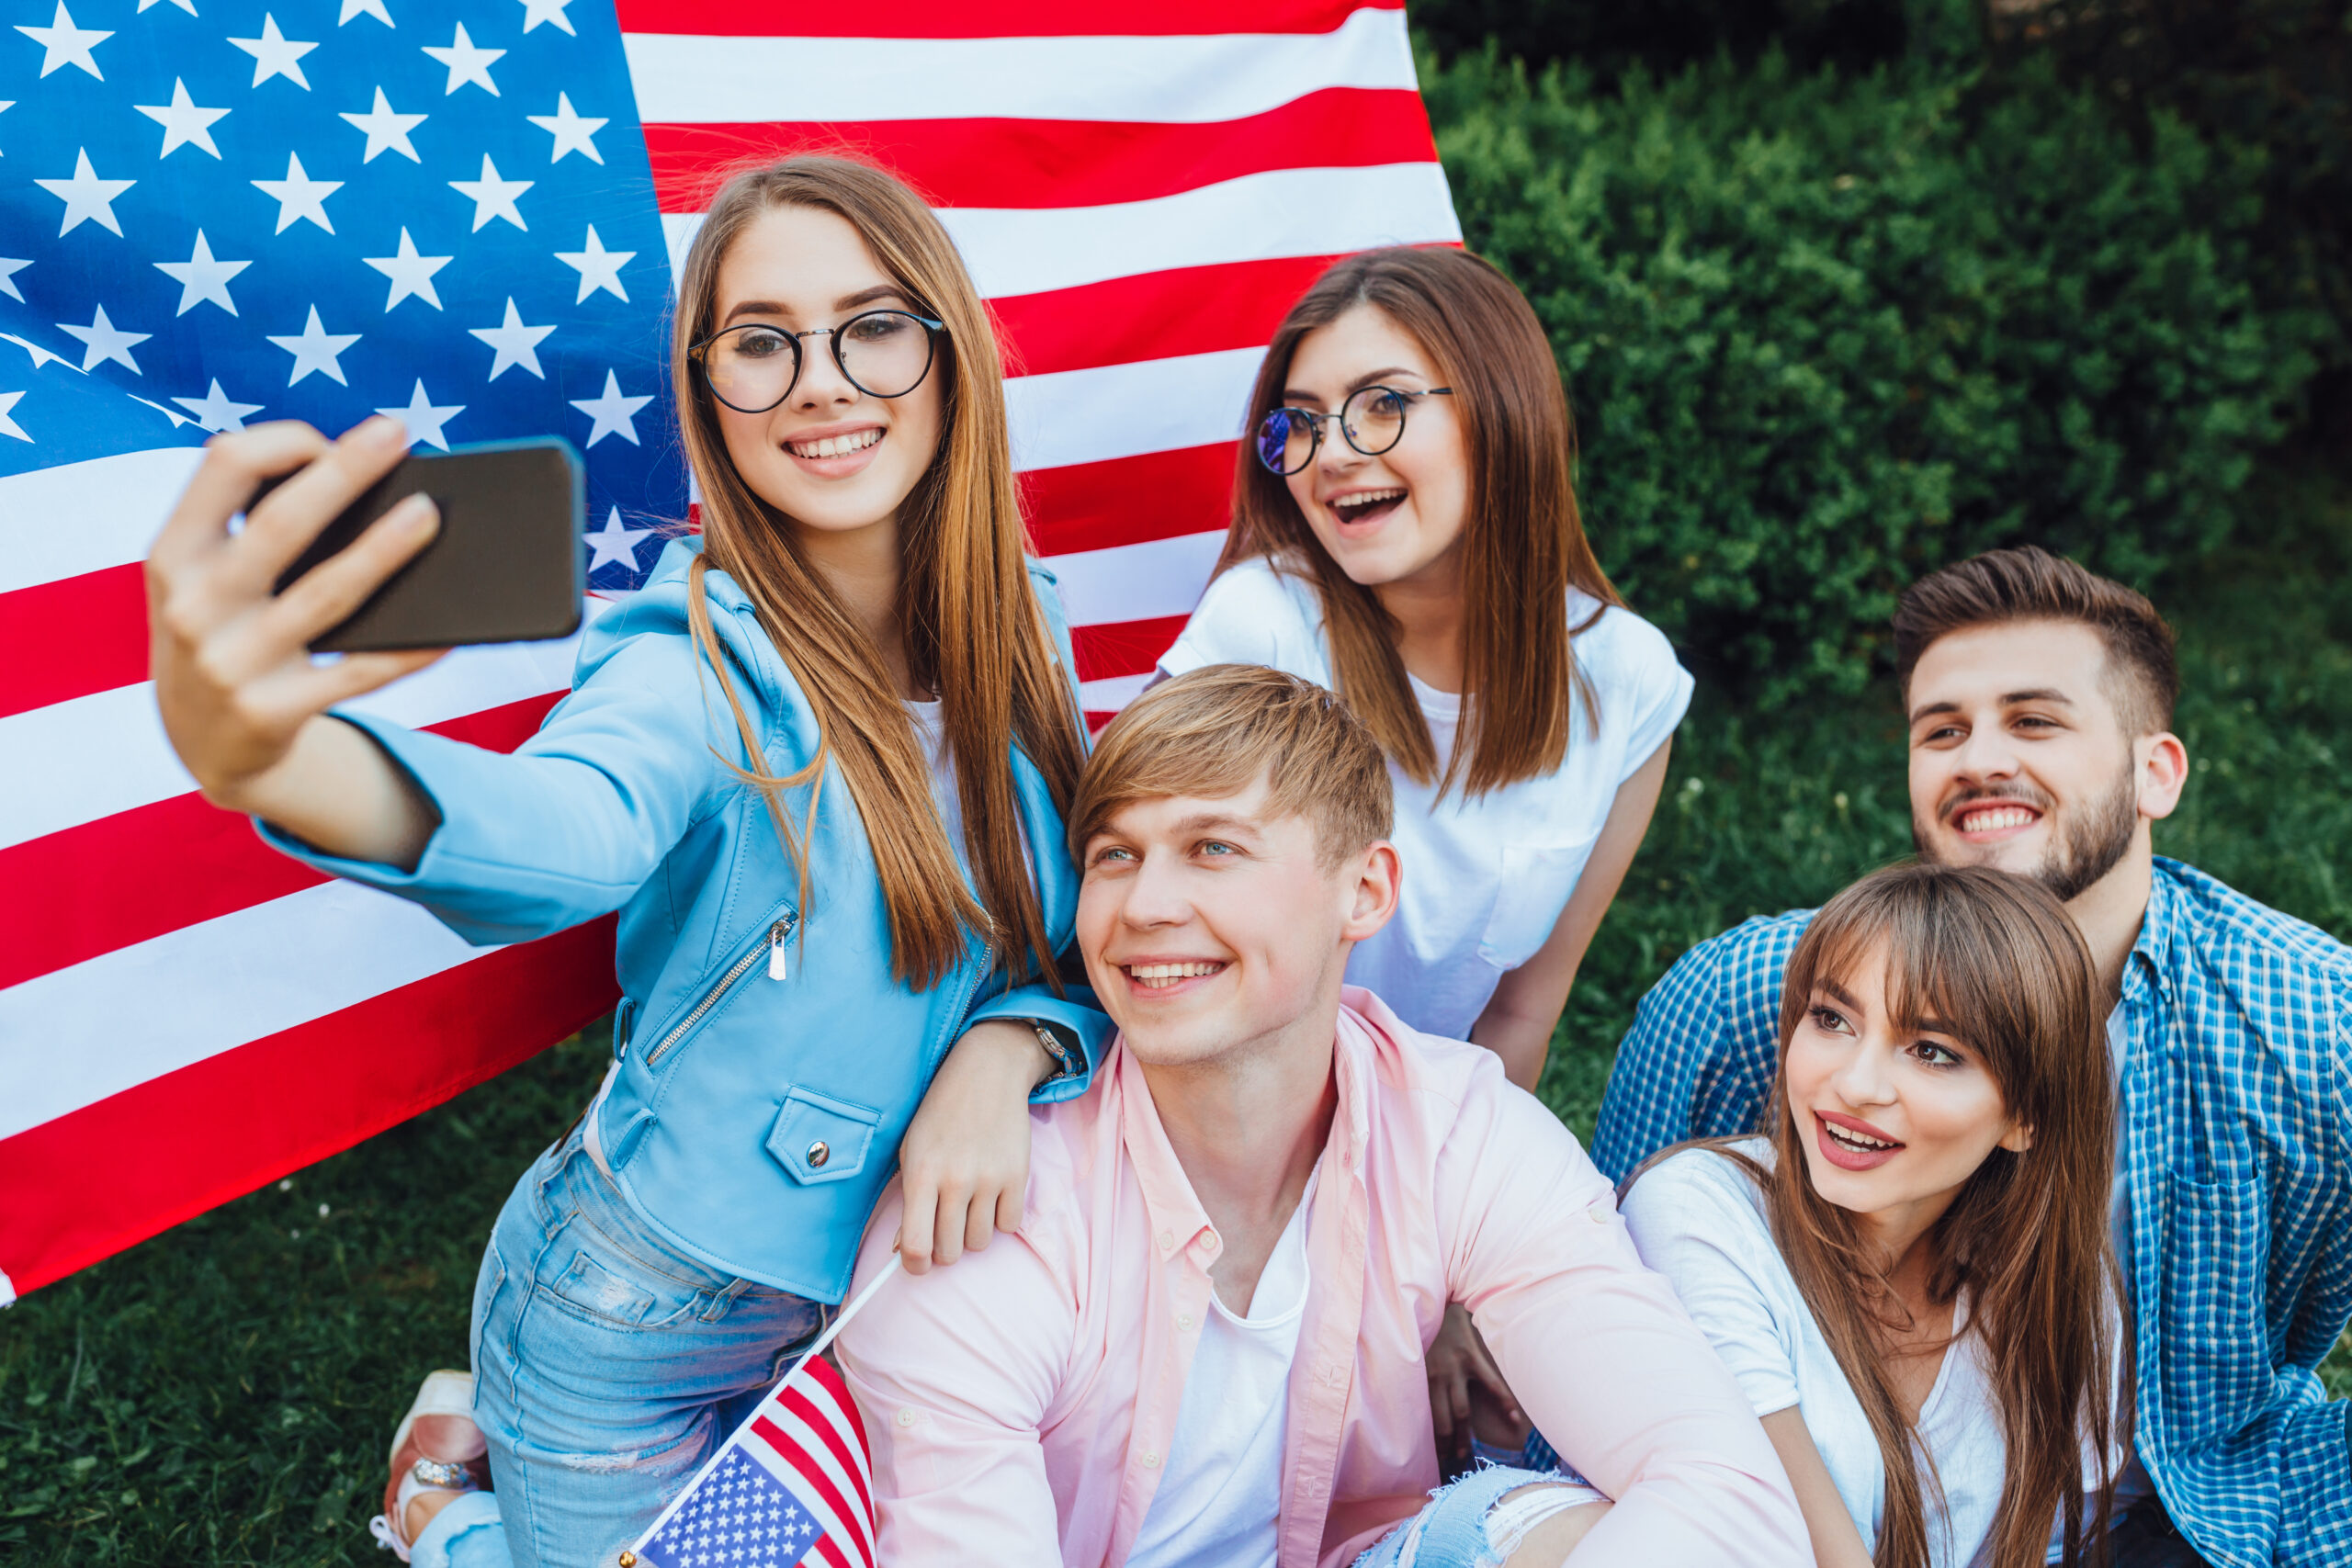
(931, 729)
(1220, 1495)
(1700, 1220)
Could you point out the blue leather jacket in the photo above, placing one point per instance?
(768, 1061)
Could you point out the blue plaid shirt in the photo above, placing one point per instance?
(2237, 1157)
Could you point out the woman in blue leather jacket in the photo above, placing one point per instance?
(817, 764)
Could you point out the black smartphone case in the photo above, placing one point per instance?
(506, 566)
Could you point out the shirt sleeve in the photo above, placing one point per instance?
(1698, 1062)
(952, 1372)
(1649, 691)
(1247, 616)
(1601, 1357)
(1717, 1254)
(571, 824)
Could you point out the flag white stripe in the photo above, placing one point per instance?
(77, 761)
(1136, 582)
(1184, 79)
(70, 1038)
(1128, 411)
(1260, 216)
(1112, 693)
(81, 517)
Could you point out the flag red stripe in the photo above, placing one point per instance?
(1123, 647)
(1129, 500)
(144, 872)
(66, 639)
(141, 1161)
(990, 19)
(823, 1423)
(830, 1551)
(788, 1451)
(1152, 315)
(1052, 163)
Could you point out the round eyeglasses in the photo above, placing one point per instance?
(1372, 421)
(884, 354)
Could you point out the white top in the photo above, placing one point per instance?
(930, 730)
(1486, 879)
(1220, 1495)
(1700, 1220)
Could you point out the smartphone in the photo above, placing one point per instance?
(506, 566)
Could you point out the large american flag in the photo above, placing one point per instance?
(213, 211)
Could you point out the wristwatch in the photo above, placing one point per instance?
(1066, 1062)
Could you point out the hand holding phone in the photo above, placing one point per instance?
(241, 696)
(506, 565)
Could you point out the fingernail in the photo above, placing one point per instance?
(385, 434)
(414, 515)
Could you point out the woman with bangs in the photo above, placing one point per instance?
(1909, 1271)
(1406, 533)
(819, 765)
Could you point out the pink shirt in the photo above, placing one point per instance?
(1019, 1404)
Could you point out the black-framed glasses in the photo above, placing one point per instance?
(1372, 421)
(884, 354)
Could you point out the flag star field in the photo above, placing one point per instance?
(219, 212)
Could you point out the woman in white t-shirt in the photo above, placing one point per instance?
(1423, 557)
(1915, 1257)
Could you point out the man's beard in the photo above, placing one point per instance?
(2089, 842)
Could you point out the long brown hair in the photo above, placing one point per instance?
(1997, 958)
(1523, 541)
(973, 627)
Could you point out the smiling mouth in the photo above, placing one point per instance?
(1160, 977)
(1994, 816)
(1364, 506)
(836, 445)
(1850, 1148)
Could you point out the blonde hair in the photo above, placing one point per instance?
(1523, 541)
(973, 626)
(1216, 730)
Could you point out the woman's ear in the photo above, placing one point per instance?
(2017, 1139)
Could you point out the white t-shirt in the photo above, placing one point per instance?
(1700, 1220)
(930, 730)
(1220, 1495)
(1485, 879)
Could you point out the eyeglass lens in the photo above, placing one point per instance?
(1372, 421)
(885, 354)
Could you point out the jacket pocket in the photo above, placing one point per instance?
(817, 1138)
(2216, 1351)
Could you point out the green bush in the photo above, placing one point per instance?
(1826, 333)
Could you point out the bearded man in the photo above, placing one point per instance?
(2039, 700)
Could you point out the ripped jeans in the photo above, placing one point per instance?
(607, 1367)
(1468, 1525)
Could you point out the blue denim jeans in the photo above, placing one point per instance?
(1451, 1530)
(607, 1367)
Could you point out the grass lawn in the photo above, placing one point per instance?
(221, 1395)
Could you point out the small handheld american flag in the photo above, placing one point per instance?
(793, 1484)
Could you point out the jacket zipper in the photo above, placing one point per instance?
(778, 934)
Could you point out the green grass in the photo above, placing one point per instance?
(221, 1395)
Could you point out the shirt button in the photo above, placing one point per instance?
(1151, 1459)
(1167, 1241)
(1184, 1322)
(906, 1417)
(1208, 1242)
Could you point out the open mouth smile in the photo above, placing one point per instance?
(1989, 819)
(845, 445)
(1851, 1145)
(1169, 976)
(1366, 505)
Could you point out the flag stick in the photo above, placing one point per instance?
(630, 1559)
